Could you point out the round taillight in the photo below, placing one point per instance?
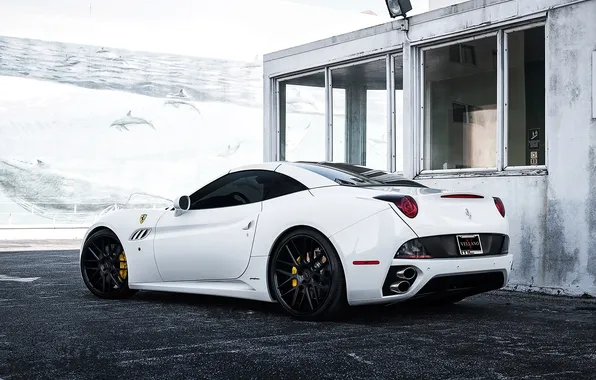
(408, 206)
(500, 206)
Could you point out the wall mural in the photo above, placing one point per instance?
(90, 125)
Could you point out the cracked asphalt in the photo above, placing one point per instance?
(51, 327)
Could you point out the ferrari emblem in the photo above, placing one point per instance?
(142, 218)
(468, 214)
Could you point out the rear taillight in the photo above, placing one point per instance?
(500, 206)
(408, 206)
(405, 203)
(463, 196)
(412, 249)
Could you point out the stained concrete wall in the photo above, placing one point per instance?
(569, 259)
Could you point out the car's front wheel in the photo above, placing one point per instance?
(307, 277)
(104, 267)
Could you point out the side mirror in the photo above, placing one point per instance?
(181, 205)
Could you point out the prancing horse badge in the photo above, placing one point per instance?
(142, 218)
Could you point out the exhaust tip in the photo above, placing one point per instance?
(400, 287)
(406, 273)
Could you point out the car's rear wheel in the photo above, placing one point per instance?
(307, 277)
(104, 267)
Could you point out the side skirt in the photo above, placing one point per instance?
(231, 288)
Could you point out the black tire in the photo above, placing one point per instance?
(293, 275)
(101, 266)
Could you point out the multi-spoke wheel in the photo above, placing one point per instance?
(306, 276)
(104, 267)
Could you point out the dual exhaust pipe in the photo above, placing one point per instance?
(405, 275)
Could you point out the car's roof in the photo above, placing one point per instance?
(323, 173)
(261, 166)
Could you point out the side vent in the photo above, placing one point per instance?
(140, 234)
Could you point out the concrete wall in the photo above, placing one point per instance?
(552, 213)
(435, 4)
(569, 258)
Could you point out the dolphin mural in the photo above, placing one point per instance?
(179, 94)
(177, 103)
(48, 193)
(177, 100)
(121, 123)
(230, 150)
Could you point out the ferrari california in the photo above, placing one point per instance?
(315, 237)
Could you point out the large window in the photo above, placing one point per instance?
(302, 117)
(349, 112)
(360, 113)
(465, 92)
(460, 122)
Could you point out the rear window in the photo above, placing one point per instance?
(356, 175)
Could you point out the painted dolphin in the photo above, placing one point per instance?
(121, 123)
(231, 150)
(180, 94)
(177, 103)
(70, 60)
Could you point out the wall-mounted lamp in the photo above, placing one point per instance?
(398, 7)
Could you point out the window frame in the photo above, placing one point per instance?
(390, 122)
(424, 140)
(389, 56)
(420, 112)
(507, 32)
(278, 105)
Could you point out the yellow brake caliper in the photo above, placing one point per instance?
(123, 266)
(294, 271)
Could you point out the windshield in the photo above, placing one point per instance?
(356, 175)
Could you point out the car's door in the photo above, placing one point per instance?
(212, 240)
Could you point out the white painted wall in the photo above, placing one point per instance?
(60, 93)
(552, 215)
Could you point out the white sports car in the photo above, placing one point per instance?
(315, 237)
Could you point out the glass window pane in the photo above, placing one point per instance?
(360, 114)
(302, 118)
(221, 192)
(526, 104)
(398, 77)
(460, 103)
(355, 175)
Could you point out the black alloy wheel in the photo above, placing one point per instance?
(104, 267)
(307, 277)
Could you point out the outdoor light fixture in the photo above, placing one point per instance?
(398, 7)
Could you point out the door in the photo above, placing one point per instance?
(213, 240)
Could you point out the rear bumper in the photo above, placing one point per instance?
(434, 277)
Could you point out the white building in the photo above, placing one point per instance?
(492, 95)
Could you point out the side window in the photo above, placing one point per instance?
(278, 185)
(244, 187)
(233, 189)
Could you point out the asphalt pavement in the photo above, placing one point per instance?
(52, 327)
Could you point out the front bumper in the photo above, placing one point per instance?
(442, 276)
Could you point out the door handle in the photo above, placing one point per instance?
(247, 226)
